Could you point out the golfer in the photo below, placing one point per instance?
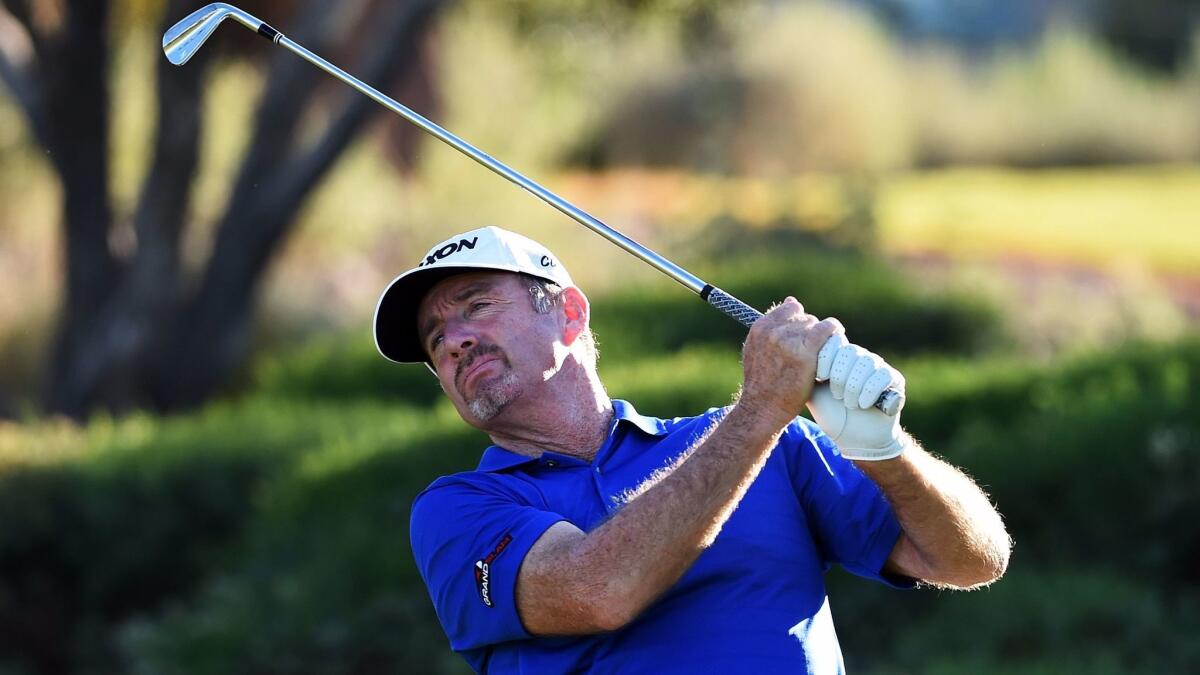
(595, 539)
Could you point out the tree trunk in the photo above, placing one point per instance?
(128, 335)
(72, 102)
(212, 335)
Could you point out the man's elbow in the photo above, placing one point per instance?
(984, 567)
(978, 576)
(610, 613)
(995, 560)
(574, 612)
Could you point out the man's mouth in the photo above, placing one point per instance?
(477, 367)
(475, 363)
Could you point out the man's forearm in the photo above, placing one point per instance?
(674, 516)
(573, 582)
(952, 535)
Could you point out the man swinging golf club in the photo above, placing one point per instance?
(594, 539)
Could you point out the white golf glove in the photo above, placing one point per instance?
(844, 406)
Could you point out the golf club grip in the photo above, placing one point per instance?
(731, 306)
(889, 402)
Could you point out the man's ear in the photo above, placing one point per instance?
(576, 312)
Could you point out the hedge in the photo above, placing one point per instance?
(268, 533)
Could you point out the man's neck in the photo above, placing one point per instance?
(571, 417)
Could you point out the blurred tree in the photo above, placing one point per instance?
(133, 331)
(1156, 33)
(701, 23)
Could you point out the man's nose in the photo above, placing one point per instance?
(459, 338)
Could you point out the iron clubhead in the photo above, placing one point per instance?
(185, 38)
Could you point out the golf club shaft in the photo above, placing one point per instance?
(583, 218)
(889, 402)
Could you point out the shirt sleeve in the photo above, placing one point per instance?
(852, 522)
(469, 541)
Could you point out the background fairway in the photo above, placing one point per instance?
(1147, 216)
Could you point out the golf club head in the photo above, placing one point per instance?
(185, 38)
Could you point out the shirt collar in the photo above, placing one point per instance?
(496, 458)
(624, 411)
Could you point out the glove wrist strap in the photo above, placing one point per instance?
(890, 451)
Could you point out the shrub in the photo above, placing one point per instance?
(872, 300)
(80, 551)
(345, 367)
(150, 514)
(1036, 620)
(1094, 466)
(323, 580)
(1110, 444)
(269, 533)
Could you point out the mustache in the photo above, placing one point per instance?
(474, 355)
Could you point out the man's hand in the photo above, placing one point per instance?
(780, 360)
(951, 535)
(844, 408)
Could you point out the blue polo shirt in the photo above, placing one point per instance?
(752, 602)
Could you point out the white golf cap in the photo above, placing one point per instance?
(488, 248)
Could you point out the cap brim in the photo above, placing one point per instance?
(396, 335)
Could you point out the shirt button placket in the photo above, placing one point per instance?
(601, 493)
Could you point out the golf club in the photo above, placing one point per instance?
(185, 38)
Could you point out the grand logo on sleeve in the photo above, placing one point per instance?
(483, 570)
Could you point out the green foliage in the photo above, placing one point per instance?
(865, 294)
(270, 533)
(1094, 465)
(1122, 430)
(1156, 33)
(345, 369)
(1036, 620)
(80, 549)
(685, 382)
(323, 580)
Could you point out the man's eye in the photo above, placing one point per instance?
(435, 342)
(476, 306)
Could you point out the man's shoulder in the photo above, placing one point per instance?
(474, 480)
(493, 479)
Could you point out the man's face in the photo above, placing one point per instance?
(486, 342)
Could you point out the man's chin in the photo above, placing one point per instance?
(492, 396)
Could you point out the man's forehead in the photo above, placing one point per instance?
(460, 286)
